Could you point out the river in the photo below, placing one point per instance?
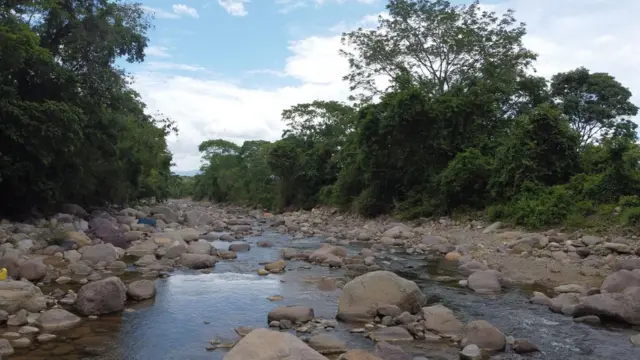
(191, 308)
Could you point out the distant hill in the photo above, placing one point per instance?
(186, 172)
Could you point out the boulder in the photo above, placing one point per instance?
(108, 231)
(276, 266)
(16, 295)
(166, 212)
(618, 281)
(624, 307)
(79, 238)
(99, 253)
(485, 281)
(199, 247)
(199, 218)
(327, 344)
(327, 253)
(197, 261)
(102, 297)
(263, 344)
(361, 296)
(391, 352)
(57, 319)
(441, 320)
(483, 334)
(141, 289)
(33, 270)
(5, 348)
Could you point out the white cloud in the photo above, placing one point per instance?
(600, 35)
(159, 13)
(177, 11)
(182, 9)
(158, 51)
(234, 7)
(290, 5)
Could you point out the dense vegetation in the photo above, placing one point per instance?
(71, 128)
(463, 125)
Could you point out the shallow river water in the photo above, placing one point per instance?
(192, 308)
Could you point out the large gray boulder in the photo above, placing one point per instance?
(57, 319)
(102, 297)
(16, 295)
(263, 344)
(361, 296)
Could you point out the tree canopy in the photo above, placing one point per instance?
(72, 128)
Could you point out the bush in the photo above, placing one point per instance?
(539, 208)
(630, 216)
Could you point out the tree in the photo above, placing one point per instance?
(541, 150)
(437, 44)
(595, 103)
(72, 129)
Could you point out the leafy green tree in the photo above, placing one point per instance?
(541, 149)
(596, 104)
(437, 44)
(72, 130)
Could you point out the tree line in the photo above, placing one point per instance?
(463, 125)
(71, 127)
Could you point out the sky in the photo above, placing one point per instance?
(227, 68)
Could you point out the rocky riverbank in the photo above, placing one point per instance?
(79, 266)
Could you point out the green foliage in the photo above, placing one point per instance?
(541, 148)
(595, 104)
(72, 130)
(462, 126)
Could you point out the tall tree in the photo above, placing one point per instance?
(596, 104)
(437, 44)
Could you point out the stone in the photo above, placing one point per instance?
(18, 319)
(57, 319)
(79, 238)
(471, 352)
(42, 338)
(264, 344)
(141, 290)
(197, 261)
(391, 333)
(327, 344)
(16, 295)
(523, 346)
(199, 247)
(483, 334)
(361, 297)
(80, 269)
(239, 247)
(623, 306)
(294, 314)
(102, 297)
(276, 266)
(33, 270)
(388, 351)
(98, 253)
(441, 320)
(485, 282)
(618, 281)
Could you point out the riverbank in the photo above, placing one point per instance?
(92, 271)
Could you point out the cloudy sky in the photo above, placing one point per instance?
(227, 68)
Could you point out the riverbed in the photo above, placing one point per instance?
(192, 308)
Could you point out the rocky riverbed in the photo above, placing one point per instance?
(209, 282)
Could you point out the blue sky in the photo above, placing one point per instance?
(244, 45)
(227, 68)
